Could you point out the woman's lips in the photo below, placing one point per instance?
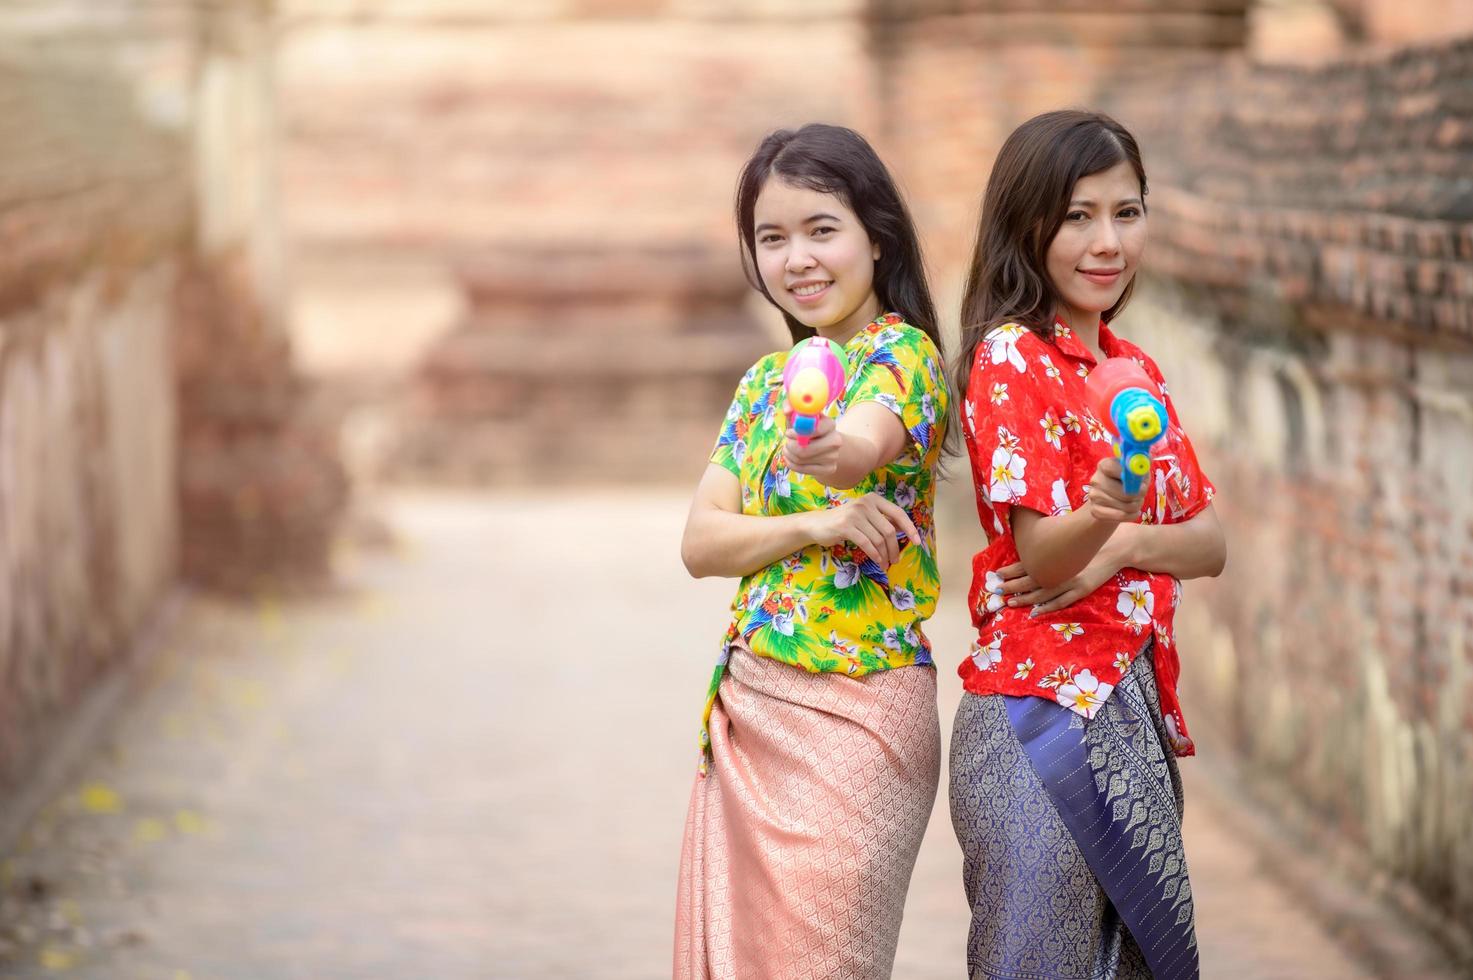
(808, 298)
(1101, 277)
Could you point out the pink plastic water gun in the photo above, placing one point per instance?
(1123, 394)
(812, 380)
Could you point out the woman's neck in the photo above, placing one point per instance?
(1086, 328)
(846, 329)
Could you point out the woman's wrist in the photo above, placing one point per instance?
(807, 525)
(1123, 546)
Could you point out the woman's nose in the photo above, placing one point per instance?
(1107, 241)
(799, 259)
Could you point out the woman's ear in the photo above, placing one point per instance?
(874, 251)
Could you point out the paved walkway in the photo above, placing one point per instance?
(471, 763)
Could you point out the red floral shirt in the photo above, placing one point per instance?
(1035, 443)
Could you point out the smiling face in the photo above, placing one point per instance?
(1098, 248)
(815, 258)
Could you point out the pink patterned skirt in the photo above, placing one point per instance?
(800, 842)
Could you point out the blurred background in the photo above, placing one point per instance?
(358, 357)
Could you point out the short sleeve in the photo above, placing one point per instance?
(1014, 431)
(731, 444)
(904, 373)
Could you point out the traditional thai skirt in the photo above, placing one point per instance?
(1071, 836)
(801, 839)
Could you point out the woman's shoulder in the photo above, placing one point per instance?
(892, 330)
(760, 374)
(1012, 350)
(1017, 334)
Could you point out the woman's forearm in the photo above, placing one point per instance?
(1196, 548)
(1055, 549)
(858, 457)
(727, 545)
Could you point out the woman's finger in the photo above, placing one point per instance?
(864, 528)
(1014, 586)
(885, 533)
(1061, 601)
(1012, 571)
(1036, 596)
(899, 518)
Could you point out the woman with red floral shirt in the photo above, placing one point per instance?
(1065, 794)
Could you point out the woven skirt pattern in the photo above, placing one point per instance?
(1038, 909)
(800, 842)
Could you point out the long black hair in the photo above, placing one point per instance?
(838, 161)
(1026, 201)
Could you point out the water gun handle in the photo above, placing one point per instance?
(1139, 419)
(804, 426)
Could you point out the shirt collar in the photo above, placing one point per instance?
(1071, 346)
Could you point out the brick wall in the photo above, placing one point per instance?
(136, 281)
(93, 216)
(1312, 255)
(1343, 185)
(504, 175)
(261, 486)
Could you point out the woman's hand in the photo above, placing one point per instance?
(820, 458)
(1021, 590)
(1107, 501)
(871, 522)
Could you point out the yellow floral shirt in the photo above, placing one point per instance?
(833, 609)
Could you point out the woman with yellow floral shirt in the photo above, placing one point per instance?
(821, 746)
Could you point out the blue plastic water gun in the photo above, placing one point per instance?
(1123, 394)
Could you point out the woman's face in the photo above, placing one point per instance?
(815, 258)
(1098, 248)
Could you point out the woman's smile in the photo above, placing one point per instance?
(810, 292)
(1102, 277)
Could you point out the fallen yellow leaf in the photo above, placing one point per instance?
(150, 830)
(57, 959)
(100, 798)
(189, 822)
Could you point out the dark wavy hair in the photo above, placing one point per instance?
(1026, 201)
(838, 161)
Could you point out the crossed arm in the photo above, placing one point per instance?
(720, 540)
(1065, 558)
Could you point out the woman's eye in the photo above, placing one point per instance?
(1131, 212)
(770, 239)
(1076, 216)
(822, 230)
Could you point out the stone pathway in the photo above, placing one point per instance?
(471, 762)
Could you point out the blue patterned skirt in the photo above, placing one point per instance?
(1071, 834)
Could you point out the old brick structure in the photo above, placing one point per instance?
(514, 187)
(149, 423)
